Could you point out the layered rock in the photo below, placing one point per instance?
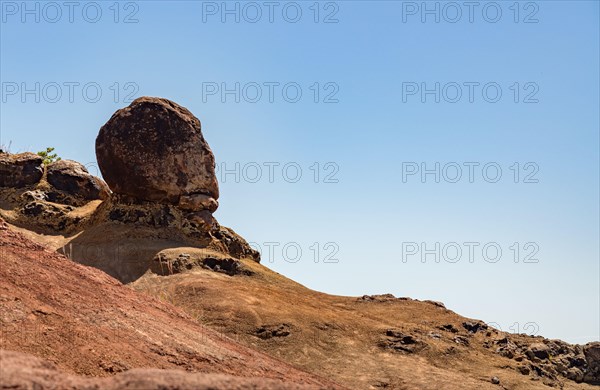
(154, 150)
(552, 359)
(164, 190)
(20, 170)
(71, 179)
(162, 174)
(42, 198)
(591, 352)
(125, 240)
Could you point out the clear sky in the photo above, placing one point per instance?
(514, 83)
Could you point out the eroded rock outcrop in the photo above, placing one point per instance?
(164, 191)
(552, 359)
(591, 352)
(71, 179)
(162, 174)
(43, 198)
(154, 150)
(20, 170)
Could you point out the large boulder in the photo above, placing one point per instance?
(20, 170)
(592, 357)
(154, 150)
(73, 178)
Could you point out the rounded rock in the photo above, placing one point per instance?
(20, 170)
(74, 179)
(154, 150)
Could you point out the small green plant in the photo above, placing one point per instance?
(48, 156)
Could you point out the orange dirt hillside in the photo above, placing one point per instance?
(88, 323)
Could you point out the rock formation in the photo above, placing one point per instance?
(162, 174)
(164, 190)
(20, 170)
(154, 150)
(591, 352)
(72, 178)
(42, 197)
(158, 222)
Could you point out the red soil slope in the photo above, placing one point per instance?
(88, 323)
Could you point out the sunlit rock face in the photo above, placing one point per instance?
(153, 150)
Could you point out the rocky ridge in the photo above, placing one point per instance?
(157, 232)
(161, 186)
(81, 324)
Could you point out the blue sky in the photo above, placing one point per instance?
(365, 124)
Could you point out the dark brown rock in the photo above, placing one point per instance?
(435, 303)
(538, 350)
(203, 220)
(592, 358)
(154, 150)
(474, 327)
(73, 179)
(404, 338)
(168, 262)
(524, 369)
(448, 328)
(381, 298)
(399, 341)
(20, 170)
(197, 202)
(269, 331)
(575, 374)
(462, 340)
(228, 241)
